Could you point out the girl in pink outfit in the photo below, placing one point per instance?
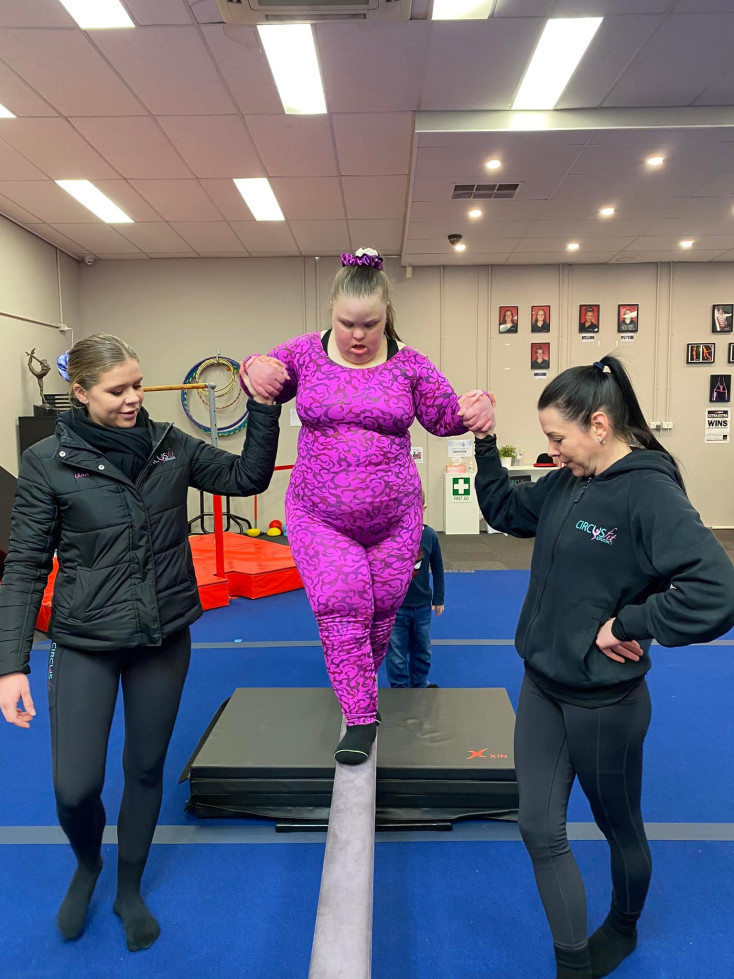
(353, 507)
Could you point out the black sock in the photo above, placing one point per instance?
(612, 942)
(70, 917)
(573, 963)
(354, 747)
(141, 928)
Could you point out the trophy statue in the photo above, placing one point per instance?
(54, 402)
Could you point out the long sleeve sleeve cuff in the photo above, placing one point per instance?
(631, 623)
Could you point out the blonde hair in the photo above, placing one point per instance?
(363, 280)
(91, 357)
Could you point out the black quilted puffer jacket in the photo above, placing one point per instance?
(126, 576)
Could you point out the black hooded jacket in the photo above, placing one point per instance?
(625, 544)
(126, 577)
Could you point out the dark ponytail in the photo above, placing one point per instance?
(603, 386)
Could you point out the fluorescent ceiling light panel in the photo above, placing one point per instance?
(97, 202)
(560, 49)
(291, 53)
(93, 15)
(6, 113)
(462, 9)
(259, 197)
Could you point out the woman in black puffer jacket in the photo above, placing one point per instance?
(107, 493)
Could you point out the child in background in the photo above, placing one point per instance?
(409, 653)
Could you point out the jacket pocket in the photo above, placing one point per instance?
(79, 597)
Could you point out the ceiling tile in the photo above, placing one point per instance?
(639, 186)
(440, 246)
(55, 148)
(65, 68)
(678, 255)
(213, 146)
(228, 200)
(45, 199)
(207, 237)
(391, 57)
(669, 243)
(19, 97)
(371, 144)
(449, 210)
(478, 64)
(155, 237)
(271, 237)
(472, 230)
(721, 186)
(691, 227)
(575, 230)
(489, 258)
(158, 12)
(385, 236)
(15, 212)
(168, 68)
(701, 43)
(321, 237)
(177, 200)
(244, 67)
(294, 146)
(54, 237)
(305, 198)
(124, 195)
(558, 244)
(134, 146)
(375, 197)
(518, 162)
(13, 166)
(679, 158)
(40, 13)
(99, 237)
(560, 258)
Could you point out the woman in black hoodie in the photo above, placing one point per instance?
(620, 558)
(107, 493)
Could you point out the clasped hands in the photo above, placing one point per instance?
(263, 376)
(476, 410)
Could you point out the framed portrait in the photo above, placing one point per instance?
(731, 354)
(700, 353)
(720, 388)
(721, 317)
(540, 356)
(589, 318)
(508, 319)
(628, 317)
(540, 319)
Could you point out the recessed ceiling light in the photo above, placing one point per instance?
(92, 15)
(560, 48)
(97, 202)
(291, 53)
(6, 113)
(655, 161)
(493, 164)
(606, 212)
(462, 9)
(475, 213)
(686, 244)
(572, 246)
(461, 247)
(259, 197)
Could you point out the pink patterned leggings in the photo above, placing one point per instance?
(354, 589)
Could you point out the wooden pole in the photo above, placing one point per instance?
(176, 387)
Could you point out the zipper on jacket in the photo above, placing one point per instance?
(546, 575)
(144, 471)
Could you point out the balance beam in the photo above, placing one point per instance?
(342, 941)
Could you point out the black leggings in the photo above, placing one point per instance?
(82, 694)
(554, 743)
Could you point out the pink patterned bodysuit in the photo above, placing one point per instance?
(353, 507)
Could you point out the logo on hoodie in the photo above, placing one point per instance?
(599, 534)
(167, 456)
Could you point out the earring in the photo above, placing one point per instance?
(601, 440)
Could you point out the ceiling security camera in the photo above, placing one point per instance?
(89, 259)
(455, 239)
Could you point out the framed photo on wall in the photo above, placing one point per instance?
(508, 319)
(720, 388)
(731, 354)
(589, 318)
(721, 318)
(540, 319)
(700, 353)
(540, 356)
(628, 317)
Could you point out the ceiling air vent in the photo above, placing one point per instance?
(278, 11)
(484, 192)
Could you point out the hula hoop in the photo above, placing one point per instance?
(192, 378)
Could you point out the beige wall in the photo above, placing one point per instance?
(29, 290)
(176, 312)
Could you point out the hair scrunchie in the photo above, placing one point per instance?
(604, 368)
(363, 256)
(62, 365)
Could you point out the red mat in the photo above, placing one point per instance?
(254, 568)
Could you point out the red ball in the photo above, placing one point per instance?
(276, 523)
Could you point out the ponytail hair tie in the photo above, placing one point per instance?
(363, 256)
(604, 368)
(62, 365)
